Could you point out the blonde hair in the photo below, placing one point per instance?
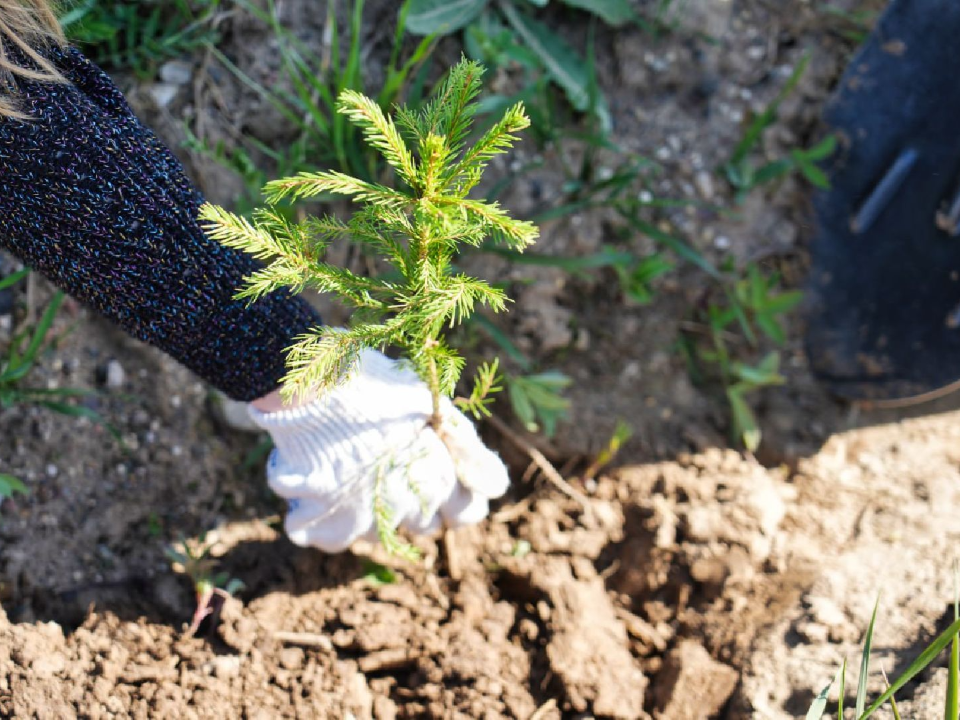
(26, 25)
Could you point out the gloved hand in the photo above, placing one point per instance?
(365, 444)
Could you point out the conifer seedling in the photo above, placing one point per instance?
(418, 228)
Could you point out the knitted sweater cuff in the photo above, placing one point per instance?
(241, 349)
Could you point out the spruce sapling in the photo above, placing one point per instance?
(418, 228)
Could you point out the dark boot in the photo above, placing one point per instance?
(884, 317)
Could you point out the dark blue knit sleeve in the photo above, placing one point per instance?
(93, 200)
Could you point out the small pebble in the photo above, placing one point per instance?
(704, 184)
(176, 72)
(114, 375)
(225, 666)
(163, 93)
(583, 339)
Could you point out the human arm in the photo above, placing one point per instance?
(91, 199)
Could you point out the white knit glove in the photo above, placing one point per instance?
(368, 439)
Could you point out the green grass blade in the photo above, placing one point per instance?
(814, 175)
(950, 712)
(13, 372)
(274, 99)
(953, 671)
(270, 17)
(920, 662)
(314, 78)
(302, 75)
(398, 34)
(76, 14)
(770, 172)
(43, 327)
(819, 703)
(769, 115)
(333, 54)
(680, 248)
(893, 700)
(822, 150)
(9, 485)
(865, 662)
(601, 123)
(736, 308)
(503, 340)
(351, 75)
(896, 710)
(429, 17)
(396, 79)
(561, 62)
(843, 689)
(11, 280)
(305, 93)
(745, 425)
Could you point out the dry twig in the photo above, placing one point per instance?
(545, 466)
(390, 659)
(313, 640)
(541, 712)
(454, 563)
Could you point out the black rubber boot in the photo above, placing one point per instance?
(884, 318)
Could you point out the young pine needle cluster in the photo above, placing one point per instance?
(417, 227)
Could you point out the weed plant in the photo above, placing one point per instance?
(949, 637)
(10, 486)
(210, 588)
(728, 332)
(745, 175)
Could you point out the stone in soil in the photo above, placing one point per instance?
(692, 684)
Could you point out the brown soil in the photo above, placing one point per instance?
(701, 583)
